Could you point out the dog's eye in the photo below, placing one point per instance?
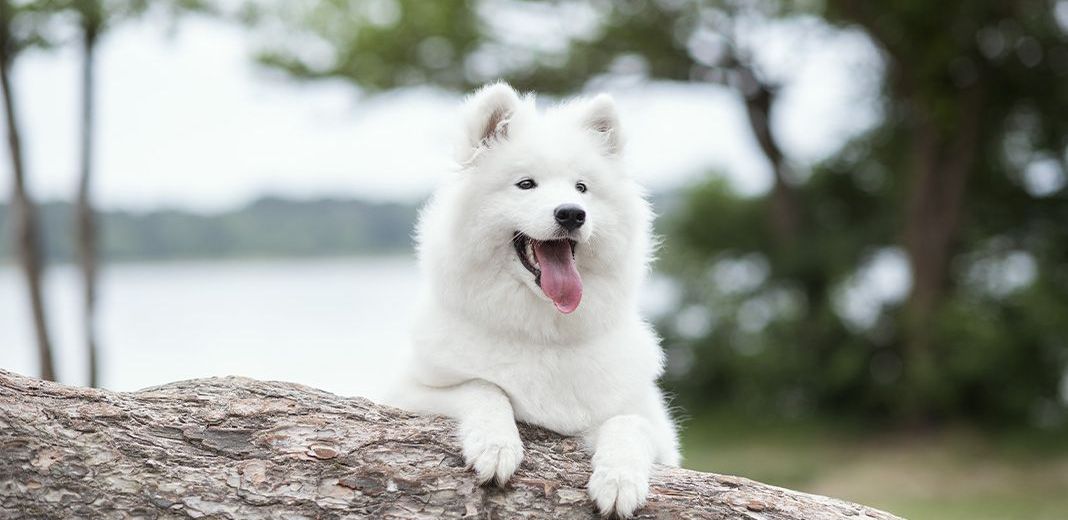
(581, 187)
(526, 184)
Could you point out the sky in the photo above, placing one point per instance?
(187, 119)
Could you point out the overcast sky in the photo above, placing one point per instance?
(186, 119)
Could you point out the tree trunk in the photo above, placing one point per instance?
(759, 98)
(85, 219)
(24, 217)
(240, 448)
(933, 214)
(942, 158)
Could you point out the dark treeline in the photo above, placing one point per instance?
(266, 227)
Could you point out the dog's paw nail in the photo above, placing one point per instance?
(618, 492)
(493, 460)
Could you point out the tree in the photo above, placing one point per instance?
(20, 28)
(456, 45)
(958, 80)
(965, 176)
(962, 182)
(92, 24)
(93, 19)
(240, 448)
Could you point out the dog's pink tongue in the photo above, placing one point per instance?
(560, 279)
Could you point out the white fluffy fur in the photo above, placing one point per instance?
(490, 348)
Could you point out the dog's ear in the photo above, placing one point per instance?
(600, 117)
(487, 115)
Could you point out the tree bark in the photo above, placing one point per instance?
(239, 448)
(85, 224)
(24, 211)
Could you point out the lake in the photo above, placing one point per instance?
(337, 324)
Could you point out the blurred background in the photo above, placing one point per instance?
(863, 288)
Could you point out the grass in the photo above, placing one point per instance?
(953, 473)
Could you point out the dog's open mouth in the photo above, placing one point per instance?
(552, 262)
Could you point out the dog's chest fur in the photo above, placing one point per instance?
(565, 388)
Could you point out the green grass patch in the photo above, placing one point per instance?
(954, 472)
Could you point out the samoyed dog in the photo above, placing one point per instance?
(533, 253)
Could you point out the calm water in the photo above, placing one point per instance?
(339, 324)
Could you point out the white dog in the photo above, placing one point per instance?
(533, 254)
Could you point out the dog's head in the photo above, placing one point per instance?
(541, 199)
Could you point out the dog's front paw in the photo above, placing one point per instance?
(494, 453)
(618, 490)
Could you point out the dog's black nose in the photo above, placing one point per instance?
(570, 216)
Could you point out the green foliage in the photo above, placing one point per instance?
(383, 44)
(462, 44)
(24, 25)
(96, 17)
(962, 182)
(773, 341)
(996, 337)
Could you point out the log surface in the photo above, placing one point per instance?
(240, 448)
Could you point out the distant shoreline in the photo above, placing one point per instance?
(9, 261)
(269, 227)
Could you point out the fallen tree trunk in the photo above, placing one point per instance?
(239, 448)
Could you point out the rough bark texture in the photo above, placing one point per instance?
(240, 448)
